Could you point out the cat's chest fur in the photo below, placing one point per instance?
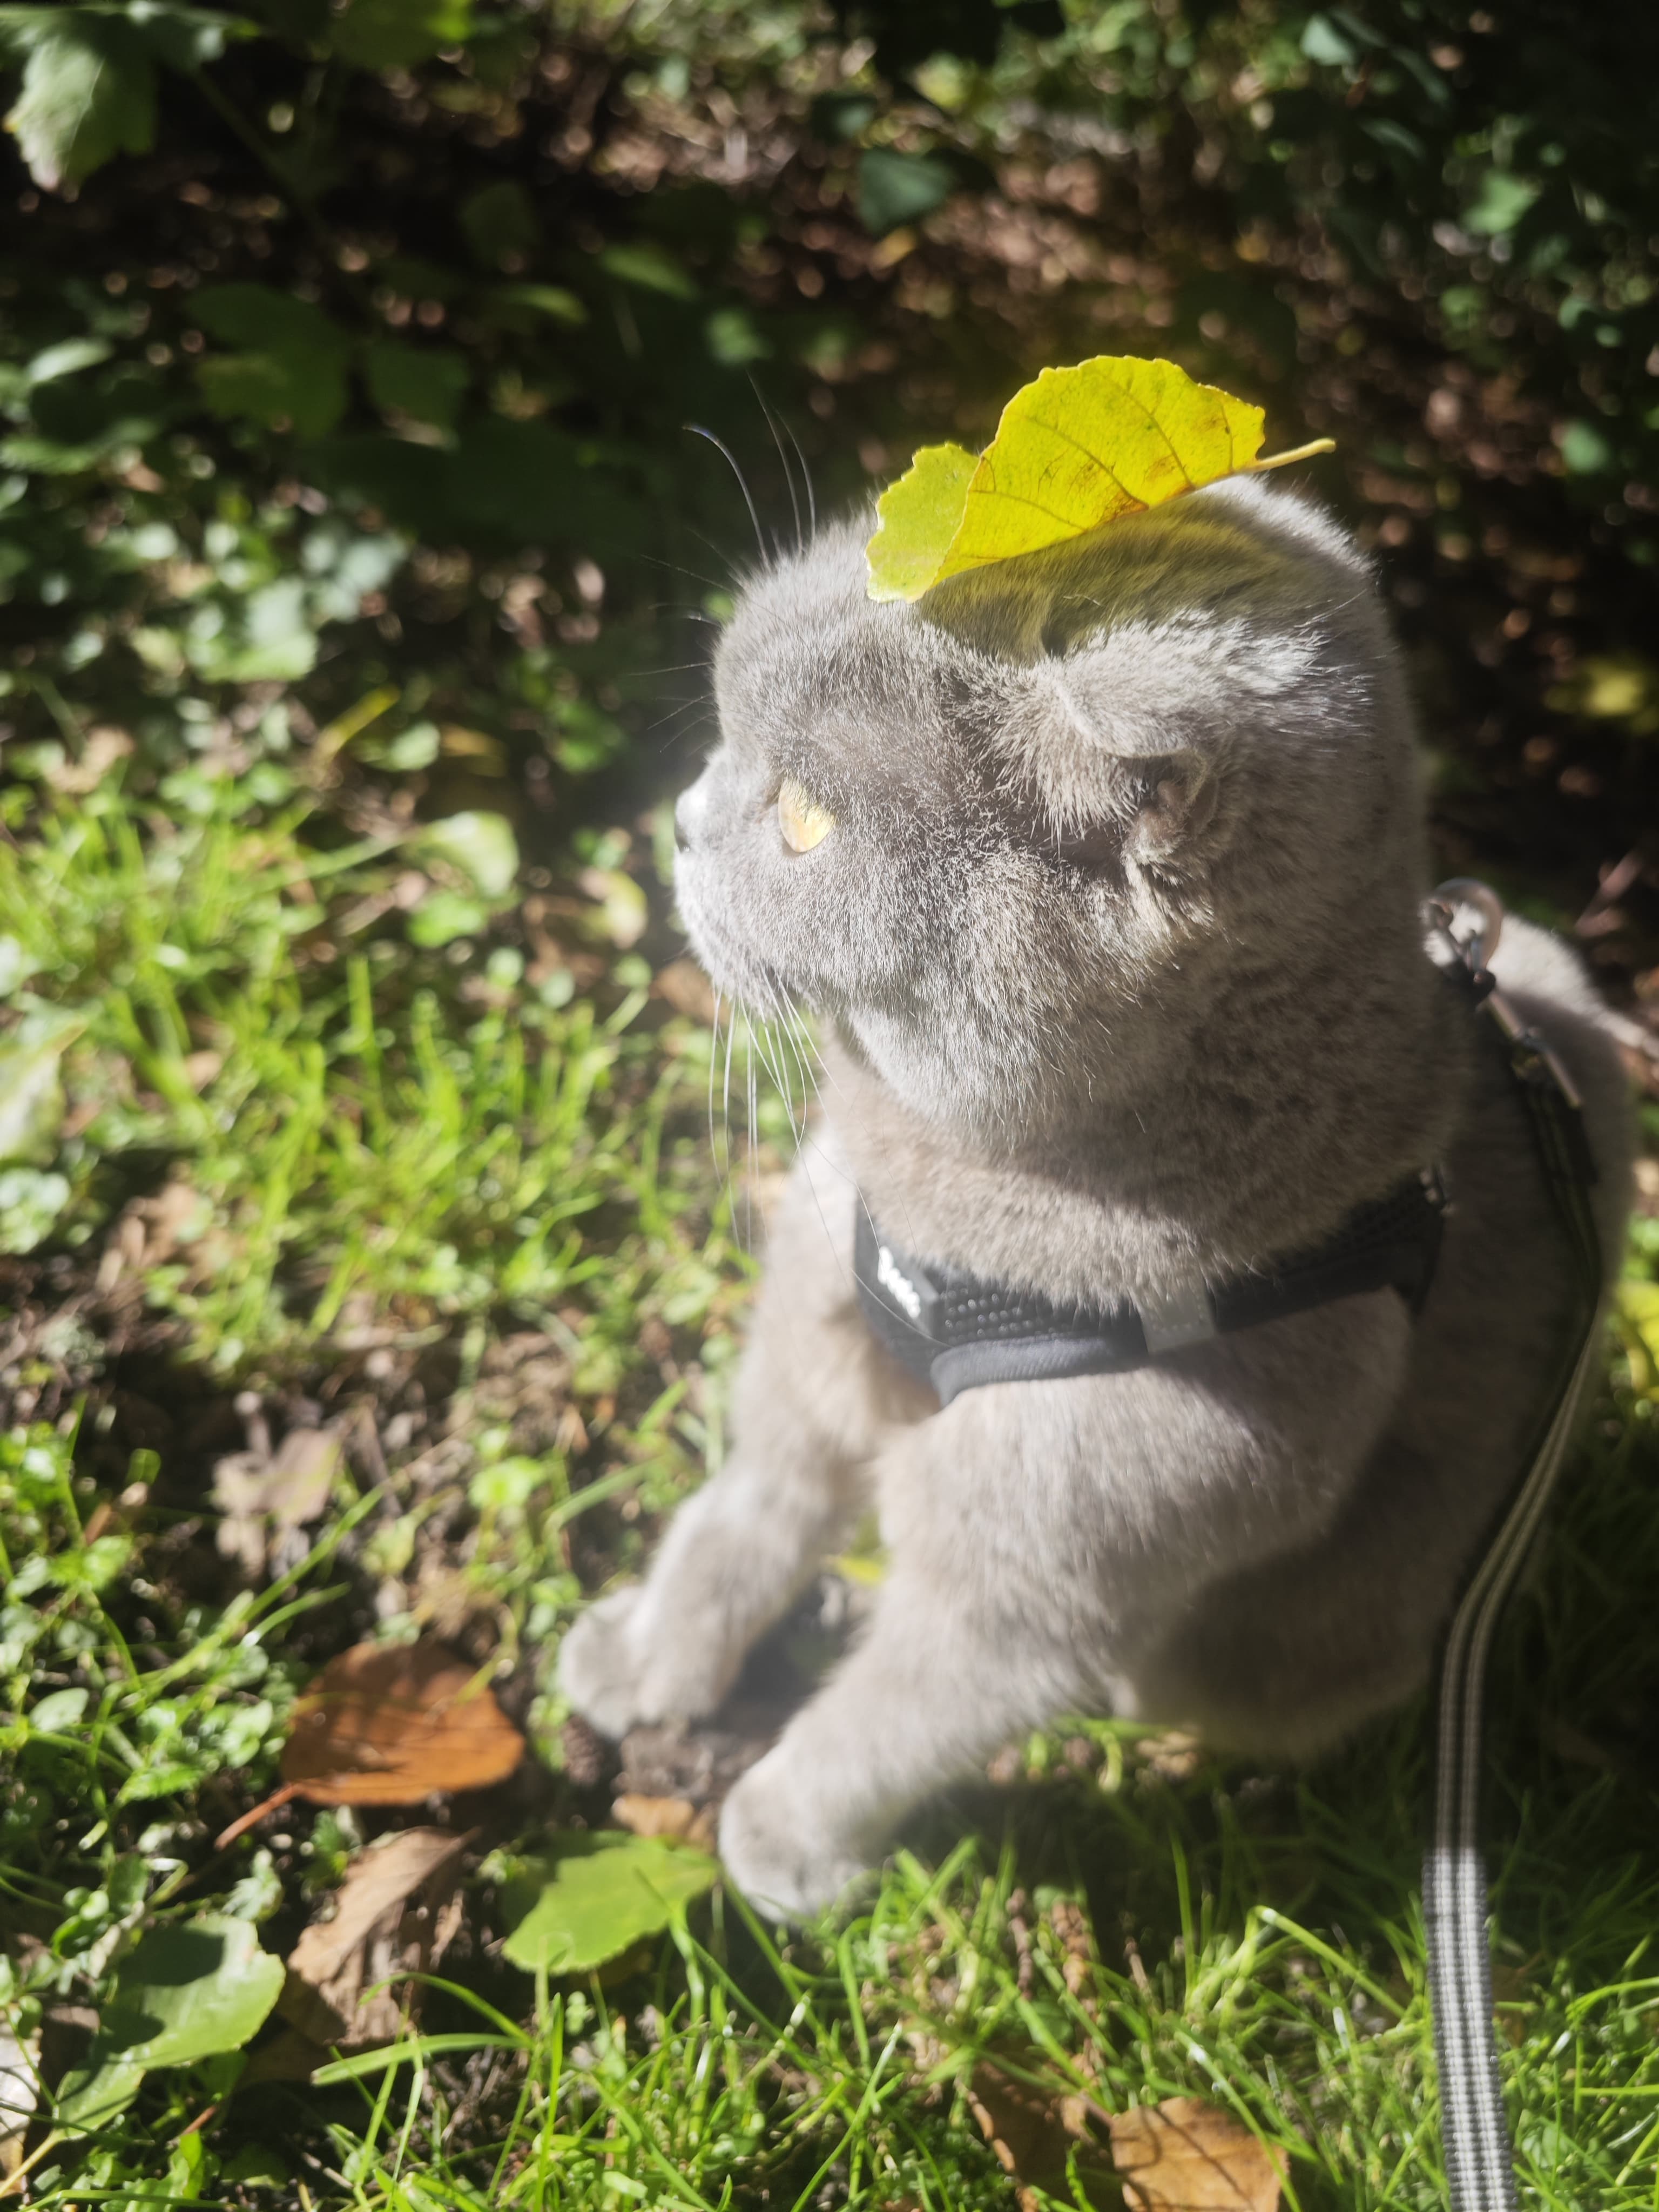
(1210, 1169)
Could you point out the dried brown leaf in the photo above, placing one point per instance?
(663, 1816)
(1035, 2132)
(394, 1915)
(389, 1725)
(105, 745)
(1184, 2156)
(263, 1497)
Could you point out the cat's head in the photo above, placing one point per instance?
(1004, 840)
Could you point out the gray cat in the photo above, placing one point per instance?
(1117, 946)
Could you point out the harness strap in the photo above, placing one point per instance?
(958, 1331)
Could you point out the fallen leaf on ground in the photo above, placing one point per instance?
(103, 746)
(1184, 2156)
(1173, 1756)
(389, 1724)
(19, 2093)
(1075, 448)
(394, 1915)
(676, 1817)
(264, 1499)
(596, 1895)
(1036, 2133)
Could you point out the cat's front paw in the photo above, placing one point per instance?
(777, 1851)
(603, 1665)
(622, 1667)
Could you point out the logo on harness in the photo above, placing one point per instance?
(898, 1285)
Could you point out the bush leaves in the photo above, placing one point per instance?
(292, 366)
(599, 1895)
(1074, 449)
(89, 92)
(380, 34)
(88, 89)
(896, 188)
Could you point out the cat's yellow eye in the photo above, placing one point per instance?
(802, 822)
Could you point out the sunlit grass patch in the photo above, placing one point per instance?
(466, 1220)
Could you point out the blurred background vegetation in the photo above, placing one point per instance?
(364, 523)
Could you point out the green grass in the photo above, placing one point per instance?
(476, 1217)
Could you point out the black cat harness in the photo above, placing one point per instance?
(958, 1332)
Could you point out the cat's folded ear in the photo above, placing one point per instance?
(1121, 749)
(1151, 810)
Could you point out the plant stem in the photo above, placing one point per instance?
(1296, 453)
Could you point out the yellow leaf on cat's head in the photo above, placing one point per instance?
(918, 517)
(1078, 447)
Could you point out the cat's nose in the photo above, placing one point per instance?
(688, 813)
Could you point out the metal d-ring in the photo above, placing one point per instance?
(1461, 894)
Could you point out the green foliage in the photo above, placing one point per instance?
(379, 34)
(896, 188)
(290, 362)
(88, 89)
(89, 93)
(427, 383)
(189, 1990)
(596, 1897)
(345, 1150)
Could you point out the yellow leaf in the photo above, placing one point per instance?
(1080, 447)
(919, 517)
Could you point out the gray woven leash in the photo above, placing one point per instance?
(1479, 2164)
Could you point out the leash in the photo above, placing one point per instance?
(1479, 2164)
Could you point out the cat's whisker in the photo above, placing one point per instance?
(678, 568)
(806, 1048)
(789, 1061)
(725, 1083)
(774, 1032)
(739, 576)
(765, 1047)
(684, 707)
(714, 1054)
(803, 1049)
(754, 1144)
(730, 1010)
(721, 447)
(807, 477)
(788, 474)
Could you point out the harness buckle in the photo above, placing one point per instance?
(1169, 1319)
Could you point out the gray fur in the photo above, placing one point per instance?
(1118, 950)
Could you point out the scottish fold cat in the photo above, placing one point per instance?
(1103, 870)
